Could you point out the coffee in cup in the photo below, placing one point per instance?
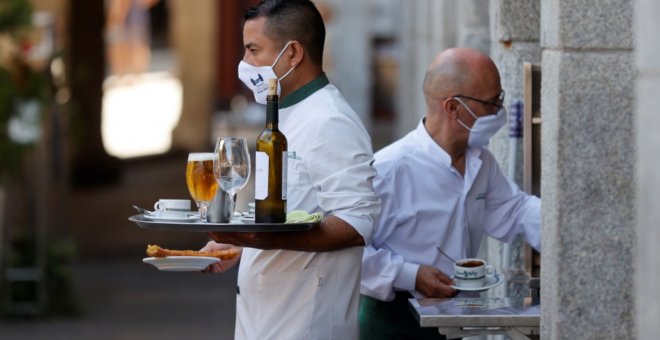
(472, 273)
(172, 207)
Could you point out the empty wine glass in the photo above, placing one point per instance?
(231, 167)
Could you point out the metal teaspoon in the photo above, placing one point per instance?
(443, 253)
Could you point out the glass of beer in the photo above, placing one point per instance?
(201, 180)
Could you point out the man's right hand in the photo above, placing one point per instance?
(224, 265)
(433, 283)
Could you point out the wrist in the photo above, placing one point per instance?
(407, 277)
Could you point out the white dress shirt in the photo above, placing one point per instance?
(313, 295)
(426, 203)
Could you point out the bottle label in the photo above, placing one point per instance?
(285, 162)
(261, 175)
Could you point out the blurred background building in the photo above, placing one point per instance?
(100, 102)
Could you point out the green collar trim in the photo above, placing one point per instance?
(307, 90)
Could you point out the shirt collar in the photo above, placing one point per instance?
(429, 145)
(305, 91)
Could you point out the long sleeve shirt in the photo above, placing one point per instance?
(426, 203)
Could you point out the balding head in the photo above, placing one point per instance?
(459, 71)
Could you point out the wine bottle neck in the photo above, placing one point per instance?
(272, 112)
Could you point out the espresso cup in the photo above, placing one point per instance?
(472, 273)
(172, 207)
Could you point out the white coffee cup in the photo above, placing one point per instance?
(172, 207)
(472, 273)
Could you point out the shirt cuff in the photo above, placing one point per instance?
(407, 277)
(364, 226)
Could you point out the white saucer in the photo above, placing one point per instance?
(489, 283)
(181, 263)
(187, 218)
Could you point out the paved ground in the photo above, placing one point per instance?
(128, 300)
(124, 298)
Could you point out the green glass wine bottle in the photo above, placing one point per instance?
(271, 165)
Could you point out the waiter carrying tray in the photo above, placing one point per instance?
(304, 284)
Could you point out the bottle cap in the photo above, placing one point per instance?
(272, 87)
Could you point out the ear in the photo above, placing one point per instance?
(297, 53)
(450, 106)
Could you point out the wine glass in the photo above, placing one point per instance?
(201, 180)
(231, 167)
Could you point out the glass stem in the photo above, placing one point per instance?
(203, 208)
(232, 206)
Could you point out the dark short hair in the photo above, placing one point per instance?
(288, 20)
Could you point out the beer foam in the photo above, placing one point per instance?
(200, 156)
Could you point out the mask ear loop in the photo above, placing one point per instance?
(286, 74)
(468, 109)
(278, 59)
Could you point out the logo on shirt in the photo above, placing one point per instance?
(481, 196)
(293, 155)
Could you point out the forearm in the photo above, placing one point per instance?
(331, 234)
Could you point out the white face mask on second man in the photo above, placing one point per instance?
(256, 77)
(484, 127)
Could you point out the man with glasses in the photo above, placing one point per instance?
(440, 187)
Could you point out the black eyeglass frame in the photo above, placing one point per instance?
(500, 100)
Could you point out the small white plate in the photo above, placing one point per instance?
(489, 283)
(188, 218)
(181, 263)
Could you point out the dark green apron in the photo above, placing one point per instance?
(380, 320)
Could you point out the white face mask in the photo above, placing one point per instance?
(256, 77)
(484, 127)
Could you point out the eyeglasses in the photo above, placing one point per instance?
(497, 104)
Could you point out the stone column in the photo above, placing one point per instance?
(515, 34)
(648, 185)
(515, 27)
(350, 67)
(473, 25)
(588, 155)
(429, 26)
(194, 35)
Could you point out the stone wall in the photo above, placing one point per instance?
(515, 27)
(648, 185)
(429, 27)
(588, 186)
(349, 67)
(514, 32)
